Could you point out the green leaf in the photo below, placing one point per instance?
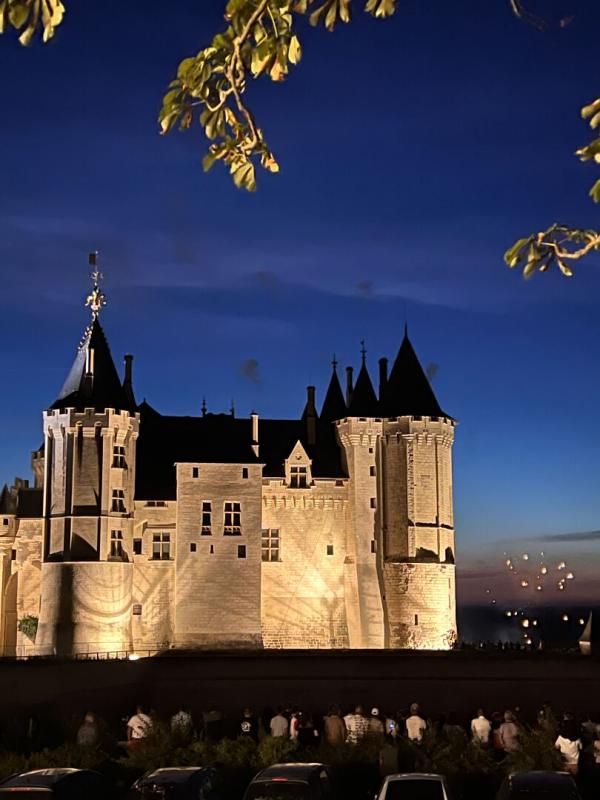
(18, 13)
(262, 57)
(589, 111)
(208, 160)
(295, 51)
(515, 254)
(244, 177)
(566, 270)
(595, 192)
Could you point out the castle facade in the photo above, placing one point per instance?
(144, 531)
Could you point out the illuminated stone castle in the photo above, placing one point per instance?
(144, 531)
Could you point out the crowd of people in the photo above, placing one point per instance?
(501, 733)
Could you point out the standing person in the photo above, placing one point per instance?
(182, 724)
(295, 724)
(357, 725)
(139, 727)
(334, 728)
(568, 743)
(509, 733)
(481, 728)
(415, 724)
(376, 729)
(88, 734)
(279, 726)
(213, 724)
(307, 733)
(249, 725)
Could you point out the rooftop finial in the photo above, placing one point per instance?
(363, 351)
(203, 406)
(96, 298)
(406, 330)
(232, 408)
(334, 362)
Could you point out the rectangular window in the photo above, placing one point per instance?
(416, 619)
(136, 609)
(116, 544)
(13, 555)
(206, 518)
(195, 472)
(329, 549)
(192, 547)
(244, 472)
(161, 546)
(339, 483)
(298, 477)
(137, 547)
(212, 549)
(118, 500)
(155, 504)
(373, 503)
(232, 519)
(5, 521)
(372, 471)
(241, 551)
(373, 546)
(119, 457)
(269, 544)
(370, 449)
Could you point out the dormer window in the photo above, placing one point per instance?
(298, 477)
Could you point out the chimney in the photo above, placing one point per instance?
(311, 416)
(254, 418)
(349, 387)
(383, 375)
(128, 370)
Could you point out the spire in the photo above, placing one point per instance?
(204, 408)
(407, 391)
(93, 381)
(128, 381)
(364, 400)
(334, 406)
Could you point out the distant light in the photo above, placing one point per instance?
(133, 657)
(509, 613)
(565, 617)
(525, 623)
(581, 621)
(488, 591)
(538, 588)
(524, 584)
(561, 587)
(570, 576)
(562, 565)
(527, 641)
(534, 623)
(493, 602)
(525, 556)
(544, 570)
(508, 562)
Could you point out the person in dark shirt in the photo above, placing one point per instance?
(249, 725)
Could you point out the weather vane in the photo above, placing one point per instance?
(363, 350)
(96, 298)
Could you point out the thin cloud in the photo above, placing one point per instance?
(578, 536)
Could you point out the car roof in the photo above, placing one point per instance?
(411, 776)
(42, 777)
(172, 774)
(539, 778)
(298, 771)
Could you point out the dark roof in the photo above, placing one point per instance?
(407, 391)
(8, 501)
(334, 405)
(364, 401)
(99, 390)
(30, 503)
(223, 439)
(297, 771)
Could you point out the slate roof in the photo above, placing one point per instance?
(364, 401)
(407, 391)
(101, 390)
(222, 439)
(334, 405)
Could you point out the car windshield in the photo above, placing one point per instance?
(564, 790)
(278, 790)
(414, 790)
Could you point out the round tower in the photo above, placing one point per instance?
(89, 476)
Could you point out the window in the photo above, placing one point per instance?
(372, 471)
(329, 549)
(212, 549)
(5, 521)
(137, 547)
(241, 551)
(116, 544)
(339, 483)
(136, 609)
(161, 547)
(192, 547)
(298, 477)
(244, 472)
(370, 449)
(118, 500)
(155, 504)
(206, 518)
(195, 472)
(13, 555)
(269, 544)
(373, 503)
(232, 521)
(416, 619)
(119, 457)
(373, 546)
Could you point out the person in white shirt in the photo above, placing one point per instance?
(568, 743)
(139, 727)
(279, 725)
(357, 725)
(415, 724)
(481, 728)
(181, 723)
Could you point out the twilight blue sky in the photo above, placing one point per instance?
(413, 153)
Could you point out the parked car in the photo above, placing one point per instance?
(291, 782)
(182, 783)
(539, 785)
(414, 786)
(62, 783)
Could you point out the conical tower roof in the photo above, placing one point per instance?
(93, 381)
(364, 401)
(407, 391)
(334, 405)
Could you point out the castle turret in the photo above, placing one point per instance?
(416, 512)
(90, 447)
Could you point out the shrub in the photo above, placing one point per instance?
(275, 750)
